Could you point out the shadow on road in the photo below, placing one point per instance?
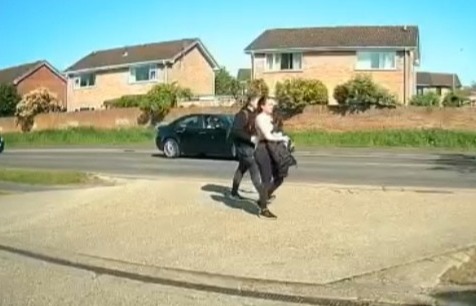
(457, 298)
(463, 163)
(222, 194)
(199, 157)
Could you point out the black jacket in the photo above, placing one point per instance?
(242, 130)
(282, 157)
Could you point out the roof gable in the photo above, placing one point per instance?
(15, 74)
(336, 37)
(10, 74)
(438, 79)
(124, 56)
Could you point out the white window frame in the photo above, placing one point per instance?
(381, 54)
(155, 74)
(276, 58)
(77, 81)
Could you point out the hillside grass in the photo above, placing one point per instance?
(90, 137)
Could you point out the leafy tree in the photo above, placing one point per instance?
(37, 101)
(257, 87)
(225, 84)
(159, 100)
(9, 99)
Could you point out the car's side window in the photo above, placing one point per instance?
(214, 122)
(190, 122)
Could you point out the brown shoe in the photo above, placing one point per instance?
(267, 214)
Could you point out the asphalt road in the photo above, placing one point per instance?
(336, 166)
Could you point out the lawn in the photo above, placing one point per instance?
(431, 138)
(43, 177)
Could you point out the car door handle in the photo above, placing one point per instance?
(202, 132)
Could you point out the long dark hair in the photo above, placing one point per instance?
(261, 102)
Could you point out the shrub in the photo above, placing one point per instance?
(362, 91)
(427, 99)
(257, 87)
(125, 101)
(9, 99)
(295, 94)
(341, 93)
(35, 102)
(160, 99)
(456, 98)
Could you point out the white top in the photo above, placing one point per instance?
(264, 128)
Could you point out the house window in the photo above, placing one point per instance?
(85, 80)
(368, 60)
(144, 73)
(283, 61)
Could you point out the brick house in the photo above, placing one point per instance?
(132, 70)
(335, 54)
(439, 83)
(30, 76)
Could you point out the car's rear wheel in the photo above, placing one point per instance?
(171, 148)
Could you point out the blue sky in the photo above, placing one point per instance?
(67, 30)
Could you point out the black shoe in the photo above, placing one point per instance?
(236, 195)
(267, 214)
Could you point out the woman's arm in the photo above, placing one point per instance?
(265, 126)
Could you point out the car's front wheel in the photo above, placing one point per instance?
(171, 148)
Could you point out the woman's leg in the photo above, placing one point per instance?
(266, 171)
(277, 180)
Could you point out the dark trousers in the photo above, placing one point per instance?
(247, 162)
(267, 169)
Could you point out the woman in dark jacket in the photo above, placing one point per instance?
(244, 138)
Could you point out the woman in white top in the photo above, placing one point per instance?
(264, 129)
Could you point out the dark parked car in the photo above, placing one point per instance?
(2, 144)
(195, 135)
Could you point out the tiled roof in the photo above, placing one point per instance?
(438, 79)
(134, 54)
(335, 37)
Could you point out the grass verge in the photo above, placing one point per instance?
(43, 177)
(436, 138)
(80, 137)
(431, 138)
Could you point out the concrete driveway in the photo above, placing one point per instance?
(323, 235)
